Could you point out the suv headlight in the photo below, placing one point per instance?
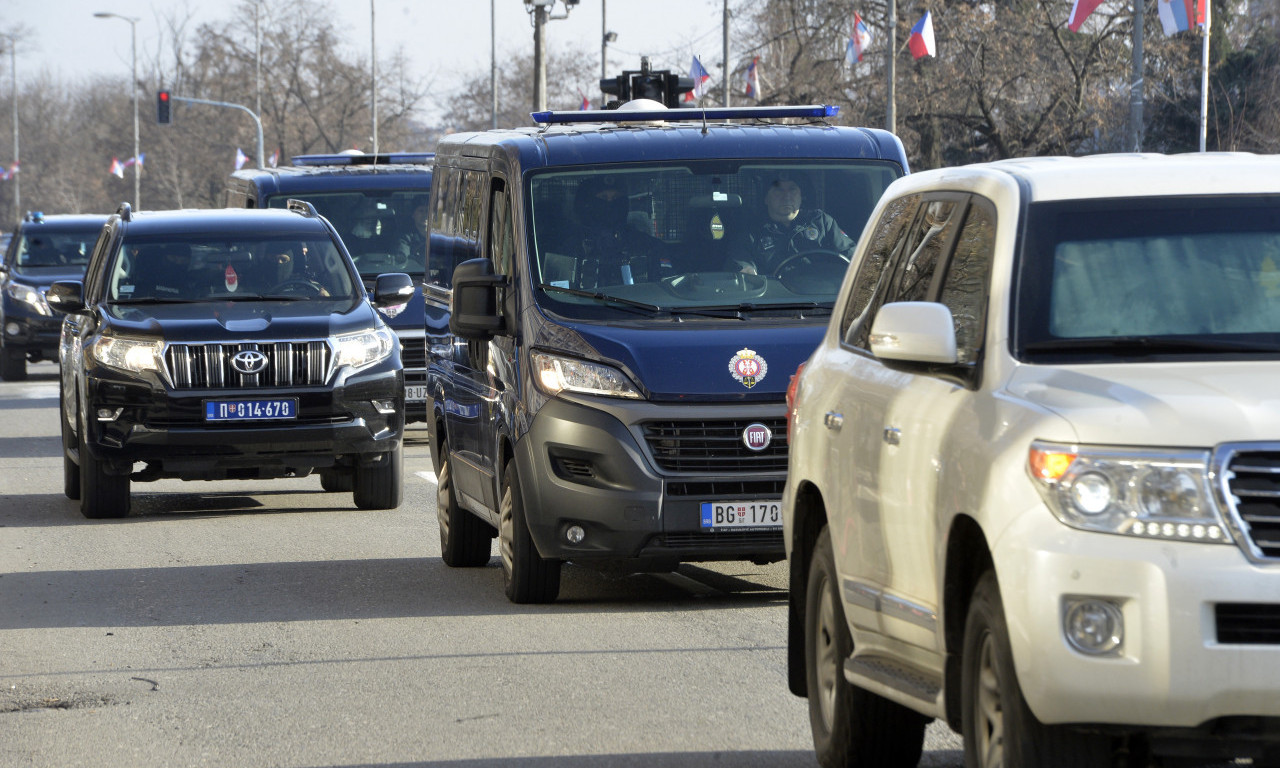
(1131, 491)
(28, 295)
(137, 355)
(555, 374)
(360, 350)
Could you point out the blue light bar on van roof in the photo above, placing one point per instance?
(383, 158)
(685, 114)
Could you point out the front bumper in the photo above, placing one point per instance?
(588, 467)
(1178, 667)
(31, 332)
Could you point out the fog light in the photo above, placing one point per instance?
(12, 329)
(385, 406)
(574, 534)
(1093, 625)
(109, 414)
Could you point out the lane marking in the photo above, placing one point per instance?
(430, 477)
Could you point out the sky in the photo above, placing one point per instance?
(445, 41)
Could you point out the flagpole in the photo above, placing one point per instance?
(891, 45)
(1204, 78)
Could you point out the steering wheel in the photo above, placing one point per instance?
(817, 270)
(299, 285)
(814, 257)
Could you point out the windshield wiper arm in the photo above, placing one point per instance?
(1148, 345)
(603, 297)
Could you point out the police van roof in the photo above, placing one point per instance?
(343, 172)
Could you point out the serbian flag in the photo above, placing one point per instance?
(241, 159)
(586, 103)
(275, 157)
(921, 40)
(116, 168)
(753, 80)
(858, 41)
(1179, 15)
(700, 77)
(1080, 10)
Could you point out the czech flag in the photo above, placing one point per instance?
(753, 80)
(700, 77)
(921, 40)
(241, 159)
(116, 168)
(858, 41)
(1080, 10)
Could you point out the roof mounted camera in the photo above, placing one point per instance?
(663, 85)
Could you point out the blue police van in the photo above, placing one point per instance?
(378, 204)
(615, 302)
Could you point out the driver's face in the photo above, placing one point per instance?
(783, 200)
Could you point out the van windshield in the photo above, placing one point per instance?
(383, 231)
(54, 246)
(700, 235)
(1123, 278)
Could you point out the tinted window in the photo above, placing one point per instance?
(41, 246)
(964, 289)
(930, 235)
(885, 237)
(383, 231)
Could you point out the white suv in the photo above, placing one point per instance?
(1034, 478)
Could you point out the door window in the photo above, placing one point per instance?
(964, 289)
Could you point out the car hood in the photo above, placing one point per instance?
(234, 321)
(694, 363)
(1194, 404)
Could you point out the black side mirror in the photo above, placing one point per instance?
(474, 312)
(392, 288)
(66, 296)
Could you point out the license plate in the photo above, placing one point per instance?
(415, 393)
(741, 514)
(251, 410)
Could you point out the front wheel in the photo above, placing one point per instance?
(464, 538)
(336, 481)
(102, 495)
(999, 727)
(70, 470)
(527, 575)
(13, 364)
(380, 486)
(851, 726)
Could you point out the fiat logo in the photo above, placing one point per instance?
(249, 362)
(757, 436)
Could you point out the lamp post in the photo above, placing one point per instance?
(137, 163)
(13, 74)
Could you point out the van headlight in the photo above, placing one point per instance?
(363, 349)
(126, 354)
(1131, 491)
(555, 374)
(25, 294)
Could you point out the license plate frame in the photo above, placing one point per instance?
(251, 409)
(756, 514)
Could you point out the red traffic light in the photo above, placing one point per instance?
(162, 108)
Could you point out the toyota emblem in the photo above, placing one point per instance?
(757, 436)
(249, 362)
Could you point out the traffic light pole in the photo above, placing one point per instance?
(262, 161)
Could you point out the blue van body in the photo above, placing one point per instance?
(362, 195)
(633, 422)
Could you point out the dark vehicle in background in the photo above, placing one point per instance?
(607, 383)
(227, 344)
(42, 249)
(378, 205)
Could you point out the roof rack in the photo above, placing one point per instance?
(683, 114)
(303, 207)
(382, 158)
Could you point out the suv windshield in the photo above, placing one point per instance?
(699, 237)
(42, 246)
(234, 268)
(383, 231)
(1166, 276)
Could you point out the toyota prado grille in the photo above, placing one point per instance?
(1253, 492)
(248, 365)
(715, 447)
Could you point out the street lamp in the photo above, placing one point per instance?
(13, 72)
(137, 162)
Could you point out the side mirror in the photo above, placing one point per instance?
(392, 288)
(66, 296)
(914, 331)
(474, 308)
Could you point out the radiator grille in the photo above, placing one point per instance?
(1248, 623)
(765, 540)
(1253, 485)
(208, 366)
(715, 446)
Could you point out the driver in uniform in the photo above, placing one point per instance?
(787, 231)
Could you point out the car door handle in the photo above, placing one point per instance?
(892, 435)
(833, 420)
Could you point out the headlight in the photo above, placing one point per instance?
(359, 350)
(127, 354)
(1148, 493)
(555, 374)
(28, 295)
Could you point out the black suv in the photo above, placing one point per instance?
(227, 344)
(42, 250)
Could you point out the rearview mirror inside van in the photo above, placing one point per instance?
(474, 313)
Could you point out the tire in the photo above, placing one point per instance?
(13, 364)
(101, 495)
(335, 481)
(527, 576)
(851, 726)
(70, 470)
(464, 538)
(381, 486)
(999, 728)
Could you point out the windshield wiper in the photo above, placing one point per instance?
(156, 300)
(750, 306)
(604, 298)
(1148, 345)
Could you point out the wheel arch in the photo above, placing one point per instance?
(967, 557)
(809, 517)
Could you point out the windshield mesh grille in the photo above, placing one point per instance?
(1254, 487)
(212, 366)
(715, 446)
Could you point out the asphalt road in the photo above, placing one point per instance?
(274, 624)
